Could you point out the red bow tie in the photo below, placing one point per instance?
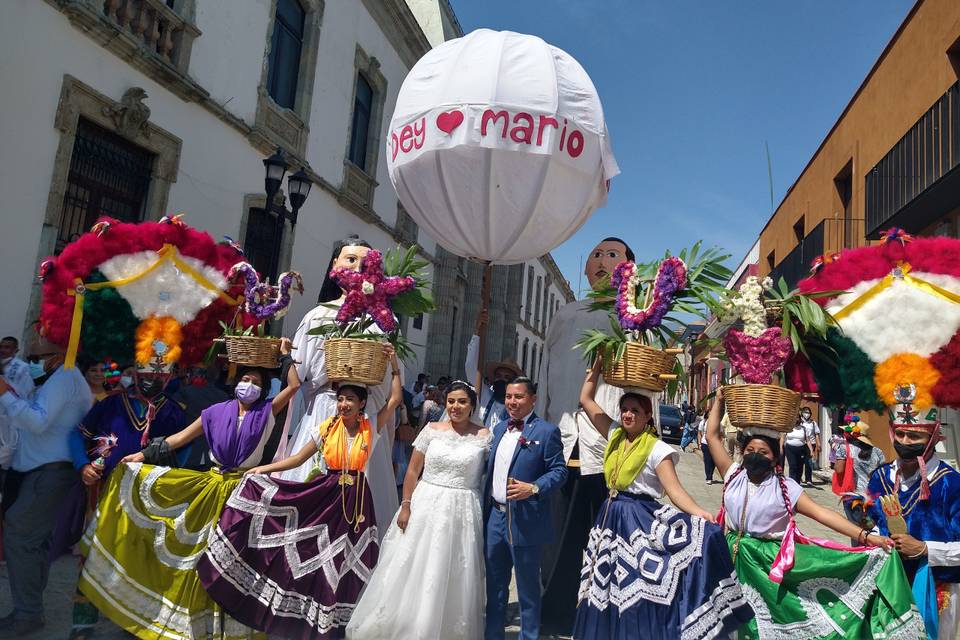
(515, 425)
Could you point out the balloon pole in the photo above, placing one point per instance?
(484, 306)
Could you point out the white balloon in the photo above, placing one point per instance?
(498, 147)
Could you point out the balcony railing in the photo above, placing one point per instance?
(156, 26)
(928, 151)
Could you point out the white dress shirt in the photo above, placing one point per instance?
(17, 374)
(491, 411)
(45, 421)
(561, 378)
(501, 464)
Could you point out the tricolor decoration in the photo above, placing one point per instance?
(152, 292)
(899, 322)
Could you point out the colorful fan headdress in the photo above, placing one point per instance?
(898, 341)
(153, 293)
(899, 323)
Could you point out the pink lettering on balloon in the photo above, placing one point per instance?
(395, 143)
(544, 121)
(490, 116)
(524, 133)
(563, 134)
(420, 135)
(575, 144)
(406, 139)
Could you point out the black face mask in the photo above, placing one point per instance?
(150, 387)
(909, 451)
(500, 390)
(757, 464)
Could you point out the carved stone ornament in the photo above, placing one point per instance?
(131, 115)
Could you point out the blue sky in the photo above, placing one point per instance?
(691, 91)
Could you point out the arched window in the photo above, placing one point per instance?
(285, 48)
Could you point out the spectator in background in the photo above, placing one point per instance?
(690, 431)
(708, 465)
(730, 435)
(93, 373)
(42, 474)
(432, 408)
(17, 374)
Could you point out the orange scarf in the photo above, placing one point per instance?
(333, 435)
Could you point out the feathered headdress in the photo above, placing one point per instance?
(152, 292)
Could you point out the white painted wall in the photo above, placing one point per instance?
(534, 336)
(218, 166)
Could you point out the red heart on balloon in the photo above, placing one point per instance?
(448, 121)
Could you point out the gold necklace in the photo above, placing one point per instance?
(357, 518)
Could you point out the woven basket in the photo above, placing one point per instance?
(762, 405)
(641, 366)
(354, 360)
(253, 351)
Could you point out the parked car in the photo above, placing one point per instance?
(671, 423)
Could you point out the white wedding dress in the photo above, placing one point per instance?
(429, 583)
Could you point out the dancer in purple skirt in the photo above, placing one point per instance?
(291, 558)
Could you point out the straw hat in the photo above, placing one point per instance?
(491, 367)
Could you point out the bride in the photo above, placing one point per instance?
(437, 539)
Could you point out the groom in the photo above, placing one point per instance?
(526, 464)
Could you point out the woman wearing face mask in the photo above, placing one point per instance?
(438, 537)
(691, 592)
(308, 547)
(814, 589)
(153, 521)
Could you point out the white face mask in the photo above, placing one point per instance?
(126, 381)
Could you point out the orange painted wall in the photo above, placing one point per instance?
(912, 74)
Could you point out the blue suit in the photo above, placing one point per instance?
(513, 539)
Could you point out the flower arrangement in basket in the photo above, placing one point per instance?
(385, 285)
(759, 352)
(636, 351)
(246, 340)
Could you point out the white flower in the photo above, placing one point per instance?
(367, 287)
(747, 304)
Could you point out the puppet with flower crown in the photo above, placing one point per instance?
(897, 307)
(636, 351)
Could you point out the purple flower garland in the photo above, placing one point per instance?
(671, 278)
(263, 300)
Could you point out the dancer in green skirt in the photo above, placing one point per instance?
(816, 588)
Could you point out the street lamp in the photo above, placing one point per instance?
(298, 186)
(276, 166)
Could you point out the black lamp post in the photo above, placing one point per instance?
(298, 186)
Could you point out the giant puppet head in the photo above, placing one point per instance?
(153, 293)
(603, 260)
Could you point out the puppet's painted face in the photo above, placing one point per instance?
(603, 260)
(350, 258)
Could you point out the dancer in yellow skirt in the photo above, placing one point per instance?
(153, 521)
